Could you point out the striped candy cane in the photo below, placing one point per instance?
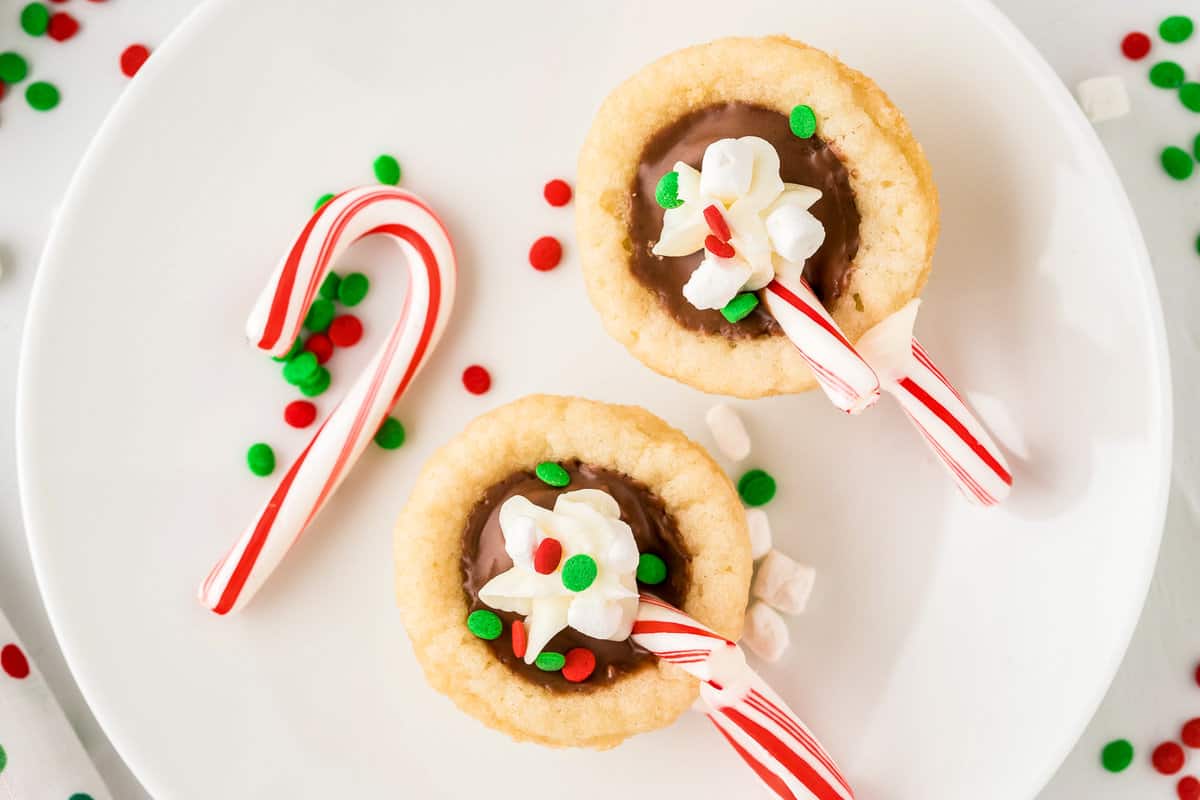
(755, 722)
(936, 408)
(846, 378)
(275, 323)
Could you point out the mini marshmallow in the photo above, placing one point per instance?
(716, 281)
(727, 169)
(760, 532)
(728, 431)
(1103, 98)
(765, 632)
(783, 583)
(794, 232)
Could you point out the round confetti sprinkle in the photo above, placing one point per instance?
(578, 664)
(1196, 674)
(321, 201)
(3, 87)
(1135, 46)
(320, 346)
(299, 413)
(1166, 74)
(296, 347)
(13, 662)
(519, 637)
(35, 18)
(82, 795)
(1188, 788)
(261, 459)
(387, 170)
(13, 68)
(740, 307)
(329, 286)
(557, 193)
(485, 624)
(301, 368)
(42, 96)
(1196, 152)
(3, 759)
(390, 434)
(476, 379)
(550, 662)
(346, 330)
(803, 121)
(1189, 95)
(545, 254)
(666, 192)
(62, 26)
(1177, 163)
(353, 289)
(317, 384)
(651, 569)
(1168, 758)
(320, 314)
(1190, 734)
(546, 556)
(132, 58)
(1176, 29)
(756, 487)
(579, 572)
(552, 474)
(1117, 755)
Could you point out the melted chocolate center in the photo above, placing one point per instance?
(805, 161)
(484, 557)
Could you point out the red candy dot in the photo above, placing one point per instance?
(13, 662)
(58, 1)
(545, 254)
(3, 86)
(320, 346)
(1167, 758)
(557, 192)
(718, 248)
(1188, 788)
(1135, 45)
(580, 664)
(134, 56)
(1197, 675)
(1190, 735)
(547, 556)
(520, 640)
(299, 413)
(716, 223)
(346, 330)
(476, 379)
(62, 26)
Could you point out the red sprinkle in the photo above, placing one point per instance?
(1135, 46)
(1190, 735)
(716, 223)
(1188, 788)
(557, 193)
(580, 664)
(1197, 675)
(299, 413)
(718, 248)
(1167, 758)
(13, 661)
(545, 254)
(3, 87)
(476, 379)
(134, 56)
(58, 1)
(547, 556)
(519, 638)
(345, 331)
(320, 346)
(62, 26)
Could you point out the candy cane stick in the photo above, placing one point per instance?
(936, 408)
(276, 321)
(758, 725)
(846, 378)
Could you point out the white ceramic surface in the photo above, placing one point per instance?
(944, 644)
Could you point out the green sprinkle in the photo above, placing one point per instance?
(1175, 29)
(1166, 75)
(1196, 146)
(13, 68)
(80, 796)
(320, 314)
(740, 307)
(390, 434)
(667, 191)
(485, 624)
(353, 289)
(301, 368)
(1177, 163)
(42, 96)
(553, 474)
(321, 201)
(858, 303)
(1198, 244)
(35, 18)
(296, 347)
(579, 572)
(261, 459)
(550, 662)
(651, 569)
(803, 121)
(1117, 755)
(3, 759)
(756, 487)
(329, 286)
(317, 384)
(387, 170)
(1189, 95)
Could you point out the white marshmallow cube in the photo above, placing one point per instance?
(716, 281)
(728, 431)
(765, 632)
(1103, 98)
(760, 532)
(727, 169)
(783, 584)
(794, 232)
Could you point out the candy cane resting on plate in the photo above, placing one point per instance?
(756, 723)
(275, 323)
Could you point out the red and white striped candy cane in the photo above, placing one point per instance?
(275, 323)
(847, 379)
(752, 718)
(936, 408)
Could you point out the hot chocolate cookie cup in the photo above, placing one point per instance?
(636, 455)
(879, 205)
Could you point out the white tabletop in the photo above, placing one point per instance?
(1153, 693)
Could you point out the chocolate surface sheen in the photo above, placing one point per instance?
(484, 558)
(805, 161)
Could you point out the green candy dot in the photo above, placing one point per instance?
(301, 368)
(756, 487)
(651, 569)
(1166, 75)
(353, 289)
(485, 624)
(1177, 163)
(80, 796)
(387, 170)
(292, 351)
(667, 191)
(1196, 146)
(1117, 755)
(550, 662)
(321, 201)
(320, 314)
(1198, 244)
(803, 121)
(579, 572)
(553, 474)
(317, 384)
(1189, 95)
(390, 434)
(13, 68)
(1175, 29)
(740, 307)
(3, 758)
(42, 96)
(35, 18)
(261, 459)
(329, 286)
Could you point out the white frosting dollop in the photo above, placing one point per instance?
(585, 522)
(771, 228)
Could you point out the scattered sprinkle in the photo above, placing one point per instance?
(476, 379)
(756, 487)
(132, 59)
(390, 434)
(1196, 152)
(485, 624)
(550, 662)
(1189, 95)
(579, 572)
(301, 368)
(62, 26)
(35, 18)
(1196, 674)
(1166, 75)
(296, 347)
(1168, 758)
(1135, 45)
(552, 474)
(740, 307)
(42, 96)
(320, 346)
(387, 170)
(353, 289)
(261, 459)
(13, 662)
(1177, 163)
(557, 192)
(578, 664)
(329, 286)
(321, 201)
(1190, 734)
(1188, 788)
(346, 330)
(13, 68)
(546, 556)
(651, 570)
(520, 639)
(1117, 755)
(666, 192)
(718, 248)
(317, 384)
(1176, 29)
(803, 121)
(545, 254)
(320, 314)
(299, 413)
(716, 223)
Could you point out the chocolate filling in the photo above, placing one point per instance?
(810, 162)
(484, 557)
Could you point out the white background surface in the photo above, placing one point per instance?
(1153, 693)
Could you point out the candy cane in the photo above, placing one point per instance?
(842, 373)
(755, 722)
(936, 408)
(274, 324)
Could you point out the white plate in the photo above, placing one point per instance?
(948, 652)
